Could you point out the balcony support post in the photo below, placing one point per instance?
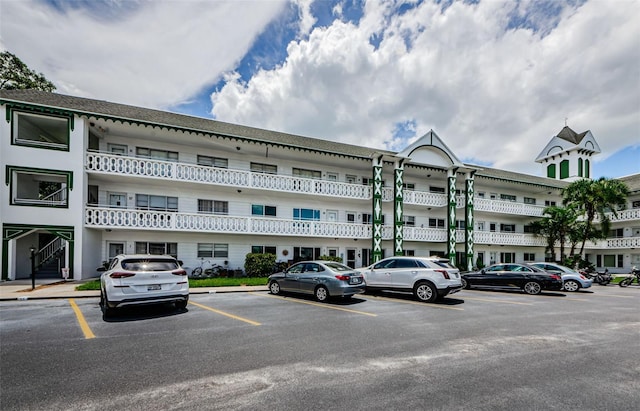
(468, 214)
(398, 226)
(451, 215)
(376, 252)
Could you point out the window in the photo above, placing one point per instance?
(300, 172)
(528, 229)
(306, 214)
(436, 223)
(548, 203)
(461, 224)
(551, 171)
(480, 225)
(213, 161)
(434, 189)
(39, 187)
(564, 169)
(635, 204)
(587, 169)
(368, 218)
(409, 186)
(616, 233)
(508, 257)
(493, 196)
(205, 250)
(507, 197)
(369, 181)
(306, 253)
(351, 217)
(263, 249)
(492, 227)
(157, 203)
(332, 251)
(264, 168)
(220, 250)
(409, 253)
(351, 179)
(50, 132)
(480, 194)
(262, 210)
(115, 249)
(157, 248)
(156, 154)
(579, 167)
(118, 149)
(409, 220)
(529, 257)
(529, 200)
(508, 228)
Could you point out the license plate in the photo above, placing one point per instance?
(355, 280)
(154, 287)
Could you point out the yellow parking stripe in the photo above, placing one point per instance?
(83, 323)
(495, 300)
(235, 317)
(416, 303)
(332, 307)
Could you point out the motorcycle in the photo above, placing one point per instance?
(602, 278)
(635, 275)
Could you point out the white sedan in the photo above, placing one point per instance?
(143, 279)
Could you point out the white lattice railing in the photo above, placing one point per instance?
(624, 215)
(507, 207)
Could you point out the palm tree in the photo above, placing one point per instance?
(557, 226)
(595, 198)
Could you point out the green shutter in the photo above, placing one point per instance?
(564, 169)
(551, 171)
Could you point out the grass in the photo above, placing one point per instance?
(195, 283)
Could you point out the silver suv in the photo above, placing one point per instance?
(429, 278)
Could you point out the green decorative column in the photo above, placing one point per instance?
(468, 216)
(398, 226)
(451, 215)
(376, 249)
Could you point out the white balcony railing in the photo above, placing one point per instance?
(507, 207)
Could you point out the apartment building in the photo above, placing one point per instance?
(87, 179)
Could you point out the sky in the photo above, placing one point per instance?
(495, 79)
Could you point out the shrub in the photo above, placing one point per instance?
(330, 258)
(259, 265)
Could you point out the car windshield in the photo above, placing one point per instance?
(338, 267)
(146, 264)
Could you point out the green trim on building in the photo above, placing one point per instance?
(376, 249)
(398, 204)
(468, 237)
(451, 217)
(31, 170)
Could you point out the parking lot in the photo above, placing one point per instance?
(474, 350)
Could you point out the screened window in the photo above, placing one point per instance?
(264, 168)
(156, 154)
(213, 161)
(157, 248)
(221, 250)
(508, 228)
(40, 131)
(529, 200)
(507, 197)
(301, 172)
(157, 203)
(409, 220)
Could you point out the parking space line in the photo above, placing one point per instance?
(416, 303)
(323, 305)
(84, 326)
(495, 300)
(235, 317)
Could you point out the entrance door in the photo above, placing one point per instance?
(351, 257)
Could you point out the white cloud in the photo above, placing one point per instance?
(153, 54)
(493, 94)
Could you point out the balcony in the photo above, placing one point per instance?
(507, 207)
(118, 218)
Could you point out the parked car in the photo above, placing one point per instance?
(527, 277)
(573, 280)
(143, 279)
(322, 279)
(429, 278)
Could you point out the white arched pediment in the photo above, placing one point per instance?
(431, 151)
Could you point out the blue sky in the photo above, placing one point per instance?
(495, 79)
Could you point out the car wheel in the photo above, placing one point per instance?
(321, 293)
(532, 288)
(571, 285)
(274, 288)
(104, 302)
(425, 292)
(465, 284)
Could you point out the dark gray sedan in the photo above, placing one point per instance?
(529, 278)
(322, 279)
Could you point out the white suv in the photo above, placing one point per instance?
(429, 278)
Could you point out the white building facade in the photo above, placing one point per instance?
(86, 180)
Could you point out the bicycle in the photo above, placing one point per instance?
(635, 275)
(198, 271)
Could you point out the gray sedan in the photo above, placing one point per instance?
(322, 279)
(573, 280)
